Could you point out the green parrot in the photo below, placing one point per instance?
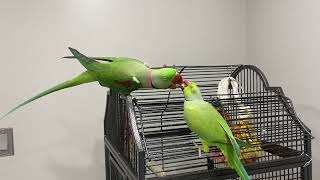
(118, 73)
(204, 120)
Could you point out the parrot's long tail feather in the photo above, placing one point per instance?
(234, 161)
(238, 166)
(84, 77)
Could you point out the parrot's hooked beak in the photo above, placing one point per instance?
(185, 83)
(177, 81)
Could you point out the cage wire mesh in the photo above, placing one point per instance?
(147, 133)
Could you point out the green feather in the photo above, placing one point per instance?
(233, 160)
(85, 77)
(88, 63)
(242, 143)
(108, 59)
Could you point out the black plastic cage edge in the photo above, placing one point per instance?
(304, 162)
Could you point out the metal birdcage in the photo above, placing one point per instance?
(146, 136)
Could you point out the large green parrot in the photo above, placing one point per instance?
(204, 120)
(118, 73)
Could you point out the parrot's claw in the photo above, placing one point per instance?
(124, 97)
(199, 151)
(195, 144)
(198, 147)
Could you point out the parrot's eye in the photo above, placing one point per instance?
(164, 78)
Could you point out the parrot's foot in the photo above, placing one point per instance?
(122, 96)
(198, 147)
(199, 151)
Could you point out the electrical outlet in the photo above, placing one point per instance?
(6, 142)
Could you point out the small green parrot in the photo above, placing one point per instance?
(118, 73)
(204, 120)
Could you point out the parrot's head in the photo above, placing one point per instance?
(191, 91)
(166, 78)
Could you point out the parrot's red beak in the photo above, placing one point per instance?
(177, 81)
(185, 83)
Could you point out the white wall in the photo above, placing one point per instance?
(283, 39)
(61, 136)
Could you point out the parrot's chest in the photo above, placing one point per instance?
(203, 123)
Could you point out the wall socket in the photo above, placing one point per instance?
(6, 142)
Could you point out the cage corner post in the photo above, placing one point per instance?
(307, 170)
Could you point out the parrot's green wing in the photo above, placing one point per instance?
(96, 58)
(88, 63)
(116, 59)
(242, 143)
(109, 59)
(234, 160)
(228, 131)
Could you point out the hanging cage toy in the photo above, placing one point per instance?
(146, 136)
